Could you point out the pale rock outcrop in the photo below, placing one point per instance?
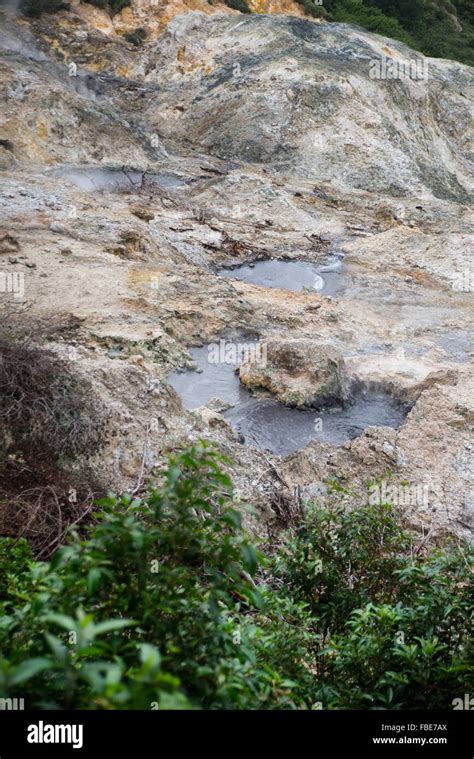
(287, 149)
(299, 372)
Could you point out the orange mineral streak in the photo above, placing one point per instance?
(286, 7)
(154, 15)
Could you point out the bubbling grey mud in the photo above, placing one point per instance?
(272, 426)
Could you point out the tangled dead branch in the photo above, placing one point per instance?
(50, 424)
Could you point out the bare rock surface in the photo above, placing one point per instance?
(298, 372)
(132, 176)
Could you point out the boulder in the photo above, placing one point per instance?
(299, 372)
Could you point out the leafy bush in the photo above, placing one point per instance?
(424, 25)
(312, 9)
(180, 565)
(392, 618)
(165, 603)
(366, 15)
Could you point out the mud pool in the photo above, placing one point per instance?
(272, 426)
(291, 275)
(92, 179)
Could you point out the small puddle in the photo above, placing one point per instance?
(272, 426)
(96, 179)
(209, 380)
(291, 275)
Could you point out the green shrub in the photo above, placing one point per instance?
(166, 603)
(312, 9)
(338, 560)
(423, 25)
(366, 15)
(181, 566)
(392, 619)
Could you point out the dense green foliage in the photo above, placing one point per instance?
(444, 28)
(369, 16)
(166, 603)
(395, 623)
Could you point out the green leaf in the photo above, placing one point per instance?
(58, 648)
(67, 623)
(29, 669)
(93, 578)
(250, 557)
(113, 624)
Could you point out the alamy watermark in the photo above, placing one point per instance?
(228, 352)
(46, 733)
(397, 68)
(318, 424)
(466, 703)
(12, 704)
(463, 281)
(398, 495)
(12, 282)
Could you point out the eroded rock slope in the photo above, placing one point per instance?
(237, 139)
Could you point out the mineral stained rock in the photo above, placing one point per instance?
(238, 138)
(299, 372)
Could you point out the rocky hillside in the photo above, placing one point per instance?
(240, 138)
(443, 28)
